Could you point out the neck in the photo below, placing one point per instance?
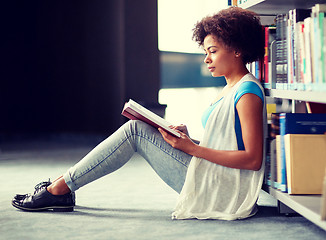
(236, 76)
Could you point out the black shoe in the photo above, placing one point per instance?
(44, 200)
(37, 188)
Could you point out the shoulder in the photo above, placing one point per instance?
(249, 87)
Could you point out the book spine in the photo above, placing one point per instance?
(324, 53)
(288, 153)
(319, 18)
(301, 57)
(300, 62)
(266, 69)
(278, 163)
(323, 199)
(273, 164)
(283, 184)
(296, 17)
(281, 51)
(290, 51)
(315, 50)
(321, 71)
(307, 45)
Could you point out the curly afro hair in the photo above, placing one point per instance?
(238, 29)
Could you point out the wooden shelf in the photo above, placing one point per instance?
(309, 206)
(307, 96)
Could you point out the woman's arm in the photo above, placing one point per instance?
(249, 109)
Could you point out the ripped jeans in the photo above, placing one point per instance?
(134, 136)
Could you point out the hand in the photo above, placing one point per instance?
(183, 143)
(181, 128)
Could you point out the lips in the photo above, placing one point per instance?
(211, 69)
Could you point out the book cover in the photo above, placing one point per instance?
(305, 162)
(135, 111)
(302, 123)
(297, 123)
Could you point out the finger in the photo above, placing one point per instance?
(167, 137)
(163, 133)
(178, 128)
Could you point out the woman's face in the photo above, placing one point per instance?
(218, 58)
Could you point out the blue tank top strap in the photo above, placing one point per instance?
(248, 87)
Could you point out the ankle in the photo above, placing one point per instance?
(59, 187)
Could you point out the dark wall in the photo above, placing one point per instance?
(68, 66)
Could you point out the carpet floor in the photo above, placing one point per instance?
(131, 203)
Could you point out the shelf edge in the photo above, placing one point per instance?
(298, 207)
(306, 96)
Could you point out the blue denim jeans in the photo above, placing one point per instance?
(134, 136)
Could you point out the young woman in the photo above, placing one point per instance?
(221, 177)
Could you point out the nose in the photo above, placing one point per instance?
(207, 59)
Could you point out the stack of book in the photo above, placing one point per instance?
(298, 154)
(295, 51)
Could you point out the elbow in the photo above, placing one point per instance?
(255, 160)
(256, 167)
(256, 164)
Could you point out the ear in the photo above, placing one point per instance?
(237, 54)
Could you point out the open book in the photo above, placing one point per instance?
(135, 111)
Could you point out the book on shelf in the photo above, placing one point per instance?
(295, 25)
(273, 141)
(135, 111)
(300, 40)
(281, 51)
(323, 199)
(278, 177)
(318, 18)
(313, 107)
(272, 174)
(270, 36)
(305, 162)
(296, 123)
(308, 34)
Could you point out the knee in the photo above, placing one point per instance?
(133, 125)
(137, 126)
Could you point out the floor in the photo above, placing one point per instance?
(131, 203)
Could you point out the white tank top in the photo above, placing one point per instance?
(212, 191)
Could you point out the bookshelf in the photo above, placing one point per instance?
(273, 7)
(306, 96)
(309, 206)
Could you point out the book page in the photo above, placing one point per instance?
(154, 119)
